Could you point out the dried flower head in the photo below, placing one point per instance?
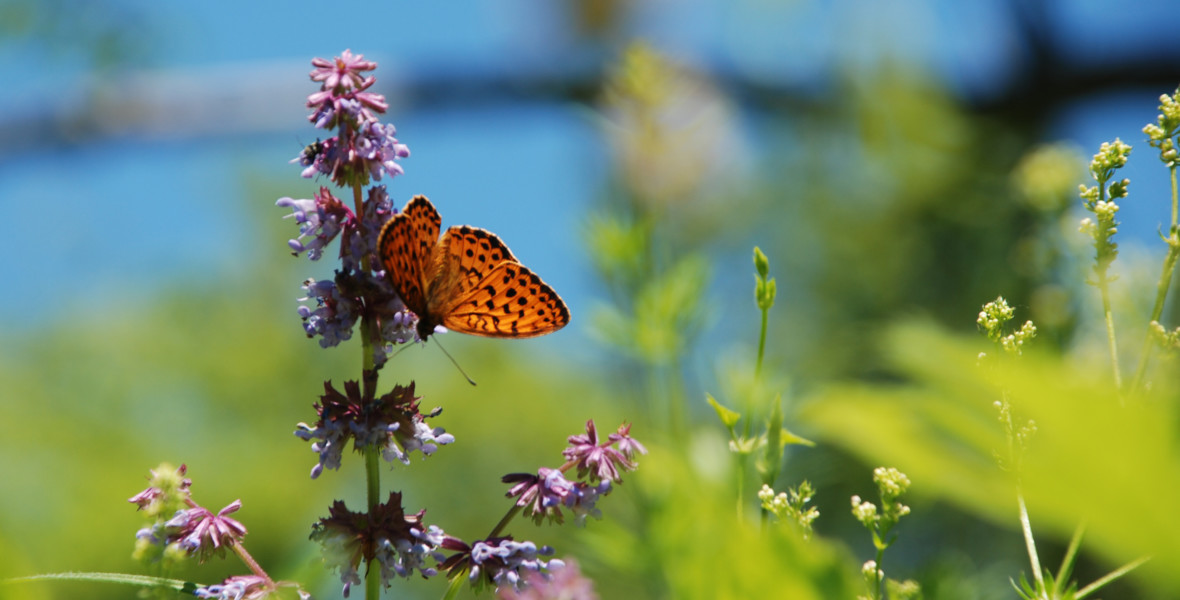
(398, 542)
(391, 423)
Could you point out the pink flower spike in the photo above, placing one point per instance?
(600, 462)
(202, 533)
(343, 74)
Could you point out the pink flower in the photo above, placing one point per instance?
(343, 73)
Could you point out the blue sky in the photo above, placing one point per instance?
(133, 200)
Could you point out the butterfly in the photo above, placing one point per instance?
(467, 281)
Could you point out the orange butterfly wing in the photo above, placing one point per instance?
(407, 245)
(468, 281)
(492, 294)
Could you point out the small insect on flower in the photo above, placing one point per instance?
(468, 281)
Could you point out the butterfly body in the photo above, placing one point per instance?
(467, 280)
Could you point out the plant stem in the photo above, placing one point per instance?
(1115, 574)
(1161, 290)
(741, 486)
(1104, 255)
(240, 550)
(749, 409)
(761, 344)
(1026, 527)
(373, 478)
(504, 521)
(1071, 551)
(880, 575)
(1175, 198)
(1109, 315)
(369, 377)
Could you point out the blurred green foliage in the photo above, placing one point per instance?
(1091, 461)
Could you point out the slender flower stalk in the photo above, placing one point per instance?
(891, 484)
(1111, 156)
(386, 429)
(498, 560)
(195, 532)
(1162, 135)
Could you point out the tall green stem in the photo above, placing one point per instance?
(1175, 198)
(880, 574)
(749, 409)
(1161, 289)
(761, 345)
(1015, 456)
(1103, 282)
(369, 380)
(1104, 286)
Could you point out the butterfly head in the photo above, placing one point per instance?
(427, 328)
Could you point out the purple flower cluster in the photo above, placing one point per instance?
(390, 423)
(498, 561)
(332, 306)
(202, 533)
(333, 315)
(238, 587)
(360, 295)
(603, 461)
(360, 287)
(321, 218)
(342, 90)
(386, 534)
(178, 522)
(365, 148)
(194, 531)
(197, 531)
(549, 491)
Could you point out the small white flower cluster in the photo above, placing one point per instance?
(992, 319)
(994, 315)
(1170, 340)
(892, 482)
(1110, 156)
(1159, 135)
(791, 504)
(1013, 341)
(864, 511)
(870, 569)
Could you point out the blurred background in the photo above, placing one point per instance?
(901, 159)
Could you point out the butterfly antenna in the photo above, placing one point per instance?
(454, 362)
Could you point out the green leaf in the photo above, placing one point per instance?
(728, 417)
(124, 578)
(786, 438)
